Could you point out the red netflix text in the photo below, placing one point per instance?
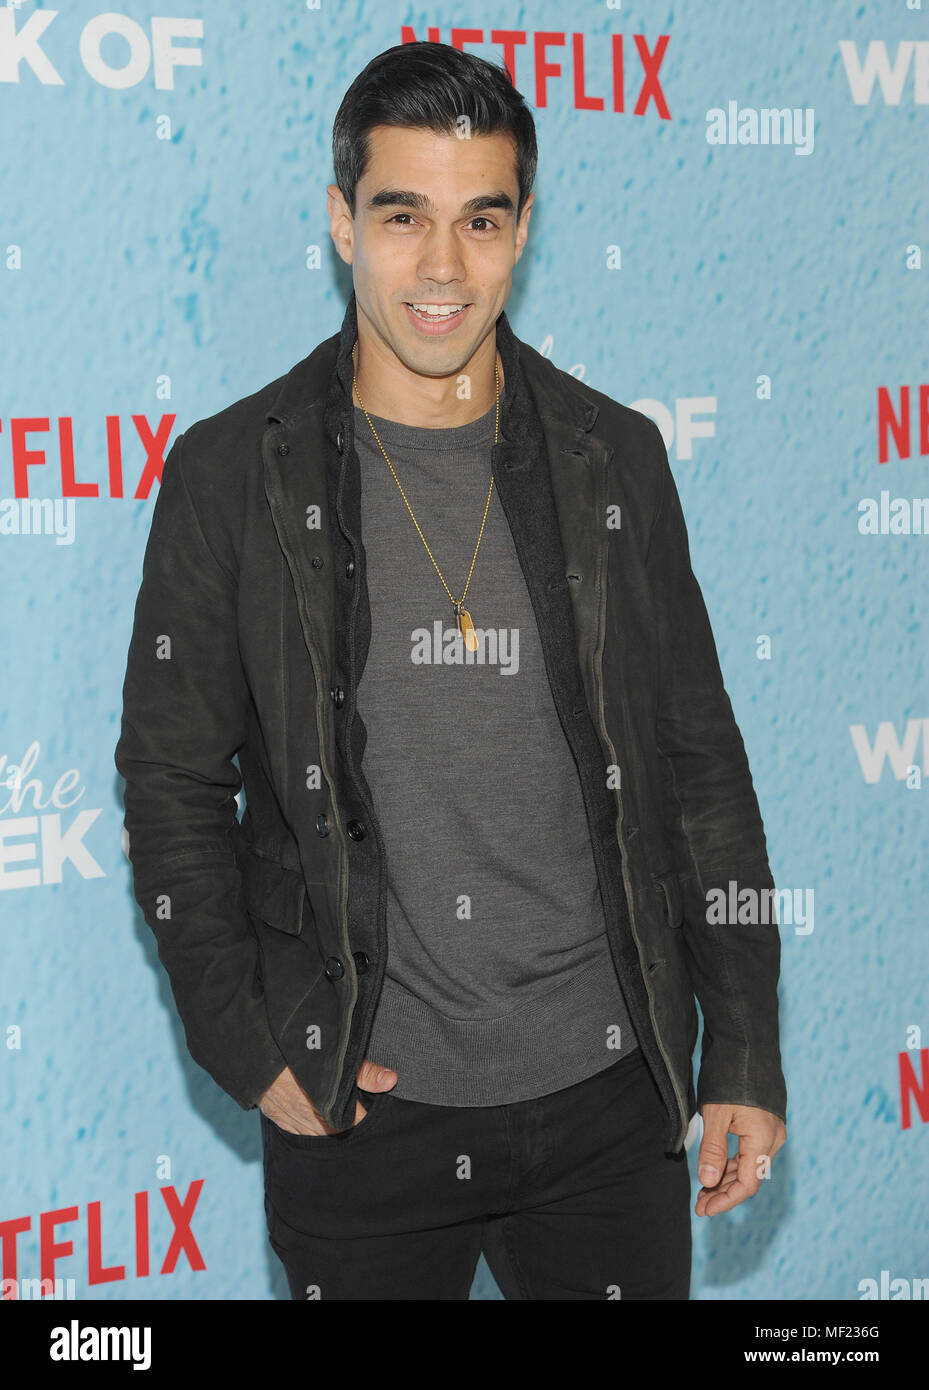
(153, 441)
(913, 1089)
(545, 67)
(52, 1249)
(895, 420)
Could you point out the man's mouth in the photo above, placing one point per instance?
(434, 313)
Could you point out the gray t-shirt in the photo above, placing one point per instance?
(499, 983)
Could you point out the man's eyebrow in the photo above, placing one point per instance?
(405, 198)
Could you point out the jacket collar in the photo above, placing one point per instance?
(528, 377)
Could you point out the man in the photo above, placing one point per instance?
(436, 596)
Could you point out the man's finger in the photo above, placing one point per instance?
(714, 1148)
(374, 1078)
(706, 1193)
(751, 1153)
(725, 1199)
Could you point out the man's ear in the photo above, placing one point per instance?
(341, 223)
(522, 227)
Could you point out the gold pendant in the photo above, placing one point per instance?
(466, 628)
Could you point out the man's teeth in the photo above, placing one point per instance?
(437, 311)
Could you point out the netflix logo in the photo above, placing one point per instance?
(56, 456)
(55, 1244)
(558, 56)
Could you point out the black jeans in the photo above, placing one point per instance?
(568, 1196)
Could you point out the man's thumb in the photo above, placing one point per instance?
(374, 1078)
(714, 1150)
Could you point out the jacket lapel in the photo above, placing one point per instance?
(557, 509)
(578, 468)
(294, 452)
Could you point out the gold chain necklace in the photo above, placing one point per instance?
(465, 625)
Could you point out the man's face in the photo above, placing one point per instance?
(443, 248)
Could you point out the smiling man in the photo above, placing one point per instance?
(491, 771)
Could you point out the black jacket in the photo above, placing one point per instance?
(251, 631)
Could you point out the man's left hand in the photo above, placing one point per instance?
(728, 1181)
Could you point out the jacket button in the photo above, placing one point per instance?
(322, 825)
(340, 441)
(356, 829)
(338, 696)
(361, 961)
(283, 449)
(349, 569)
(334, 968)
(317, 562)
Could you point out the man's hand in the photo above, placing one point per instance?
(728, 1181)
(288, 1106)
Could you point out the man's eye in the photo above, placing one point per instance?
(489, 226)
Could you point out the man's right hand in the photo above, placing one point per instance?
(288, 1106)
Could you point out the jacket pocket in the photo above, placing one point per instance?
(668, 886)
(272, 893)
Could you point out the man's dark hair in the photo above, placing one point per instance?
(430, 86)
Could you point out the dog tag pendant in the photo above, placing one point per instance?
(466, 628)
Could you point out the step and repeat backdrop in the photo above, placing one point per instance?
(730, 234)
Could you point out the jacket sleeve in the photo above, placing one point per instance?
(184, 711)
(717, 831)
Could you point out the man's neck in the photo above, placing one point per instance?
(424, 402)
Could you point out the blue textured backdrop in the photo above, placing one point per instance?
(156, 259)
